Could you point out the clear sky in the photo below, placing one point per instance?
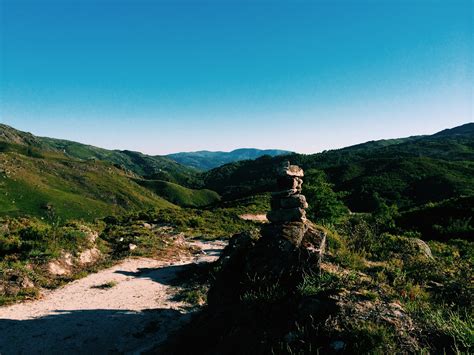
(167, 76)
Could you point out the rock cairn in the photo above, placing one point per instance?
(288, 204)
(280, 254)
(287, 216)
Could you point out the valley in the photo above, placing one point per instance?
(236, 177)
(109, 241)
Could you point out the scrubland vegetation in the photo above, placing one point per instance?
(398, 215)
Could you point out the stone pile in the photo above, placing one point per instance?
(287, 216)
(280, 254)
(288, 204)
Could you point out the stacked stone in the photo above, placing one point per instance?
(288, 204)
(287, 216)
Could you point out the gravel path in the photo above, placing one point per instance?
(134, 315)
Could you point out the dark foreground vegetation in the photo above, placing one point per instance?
(375, 292)
(398, 214)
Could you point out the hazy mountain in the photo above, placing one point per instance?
(206, 160)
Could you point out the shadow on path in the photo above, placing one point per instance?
(89, 331)
(174, 275)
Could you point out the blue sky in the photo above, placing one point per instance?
(167, 76)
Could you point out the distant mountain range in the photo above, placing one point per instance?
(206, 160)
(172, 167)
(45, 176)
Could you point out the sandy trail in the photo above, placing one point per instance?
(262, 217)
(136, 314)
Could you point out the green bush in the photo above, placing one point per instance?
(325, 206)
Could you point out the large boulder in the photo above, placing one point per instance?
(292, 232)
(421, 247)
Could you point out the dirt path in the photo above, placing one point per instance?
(254, 217)
(135, 314)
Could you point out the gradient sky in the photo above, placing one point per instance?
(167, 76)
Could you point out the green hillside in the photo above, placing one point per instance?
(180, 195)
(407, 172)
(53, 178)
(451, 218)
(54, 186)
(156, 167)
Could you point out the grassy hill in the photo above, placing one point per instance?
(180, 195)
(407, 172)
(156, 167)
(52, 178)
(206, 160)
(451, 218)
(51, 185)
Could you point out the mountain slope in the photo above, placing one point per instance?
(156, 167)
(463, 130)
(55, 186)
(407, 171)
(206, 160)
(180, 195)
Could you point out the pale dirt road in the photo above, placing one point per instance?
(136, 314)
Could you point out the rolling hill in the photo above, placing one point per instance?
(407, 172)
(52, 178)
(52, 185)
(206, 160)
(86, 181)
(156, 167)
(180, 195)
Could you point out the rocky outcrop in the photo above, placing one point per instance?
(67, 263)
(289, 243)
(255, 292)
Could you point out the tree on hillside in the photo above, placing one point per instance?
(325, 205)
(383, 214)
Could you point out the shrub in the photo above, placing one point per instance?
(325, 206)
